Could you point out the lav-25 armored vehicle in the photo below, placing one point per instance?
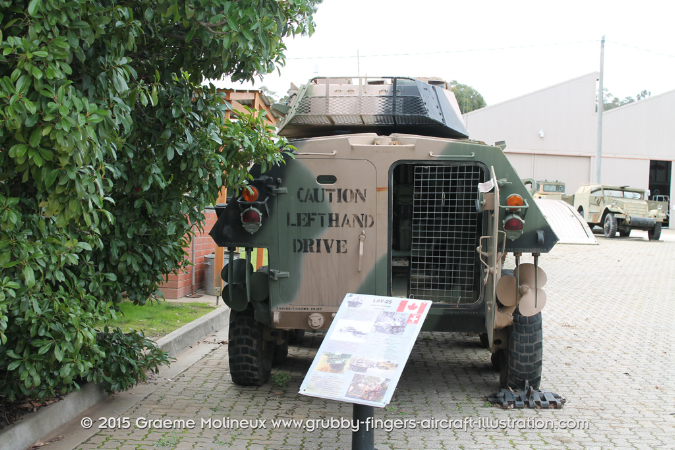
(385, 195)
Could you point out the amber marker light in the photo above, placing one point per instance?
(514, 200)
(250, 194)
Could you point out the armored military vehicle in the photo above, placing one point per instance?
(384, 195)
(620, 208)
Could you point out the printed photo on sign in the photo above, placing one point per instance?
(333, 362)
(354, 302)
(351, 331)
(363, 365)
(391, 323)
(368, 388)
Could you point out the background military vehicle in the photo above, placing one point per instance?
(385, 195)
(664, 202)
(551, 190)
(619, 208)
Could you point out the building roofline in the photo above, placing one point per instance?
(622, 107)
(597, 74)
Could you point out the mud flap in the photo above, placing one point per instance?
(236, 274)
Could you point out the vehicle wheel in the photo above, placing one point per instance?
(503, 361)
(484, 340)
(281, 351)
(655, 233)
(610, 226)
(624, 233)
(250, 354)
(296, 336)
(525, 351)
(494, 359)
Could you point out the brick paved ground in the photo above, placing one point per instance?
(608, 337)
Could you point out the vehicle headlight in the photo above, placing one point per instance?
(660, 207)
(613, 202)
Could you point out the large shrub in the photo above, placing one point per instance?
(110, 148)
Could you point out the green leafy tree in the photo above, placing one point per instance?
(467, 97)
(611, 102)
(110, 148)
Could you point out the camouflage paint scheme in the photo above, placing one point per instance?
(312, 230)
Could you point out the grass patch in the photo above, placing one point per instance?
(157, 319)
(254, 256)
(281, 379)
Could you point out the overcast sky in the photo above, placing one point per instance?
(504, 49)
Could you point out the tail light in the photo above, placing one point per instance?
(513, 223)
(251, 220)
(513, 226)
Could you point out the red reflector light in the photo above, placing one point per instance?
(253, 216)
(513, 224)
(250, 194)
(514, 200)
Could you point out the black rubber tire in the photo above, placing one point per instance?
(503, 361)
(281, 350)
(296, 336)
(484, 340)
(250, 355)
(655, 233)
(494, 359)
(609, 226)
(625, 233)
(525, 351)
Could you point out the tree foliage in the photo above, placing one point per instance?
(467, 97)
(110, 148)
(611, 102)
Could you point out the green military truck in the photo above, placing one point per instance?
(384, 195)
(620, 209)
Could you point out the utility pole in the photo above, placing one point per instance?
(358, 64)
(601, 107)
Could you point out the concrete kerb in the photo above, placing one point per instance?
(34, 426)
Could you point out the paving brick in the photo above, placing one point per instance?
(607, 350)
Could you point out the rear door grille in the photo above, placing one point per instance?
(445, 233)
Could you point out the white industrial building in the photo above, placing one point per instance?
(552, 134)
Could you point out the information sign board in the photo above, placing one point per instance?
(365, 349)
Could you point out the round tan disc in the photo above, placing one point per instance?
(506, 290)
(526, 305)
(526, 272)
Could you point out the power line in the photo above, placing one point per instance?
(643, 49)
(450, 51)
(482, 50)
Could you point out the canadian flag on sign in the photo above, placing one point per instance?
(414, 318)
(412, 307)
